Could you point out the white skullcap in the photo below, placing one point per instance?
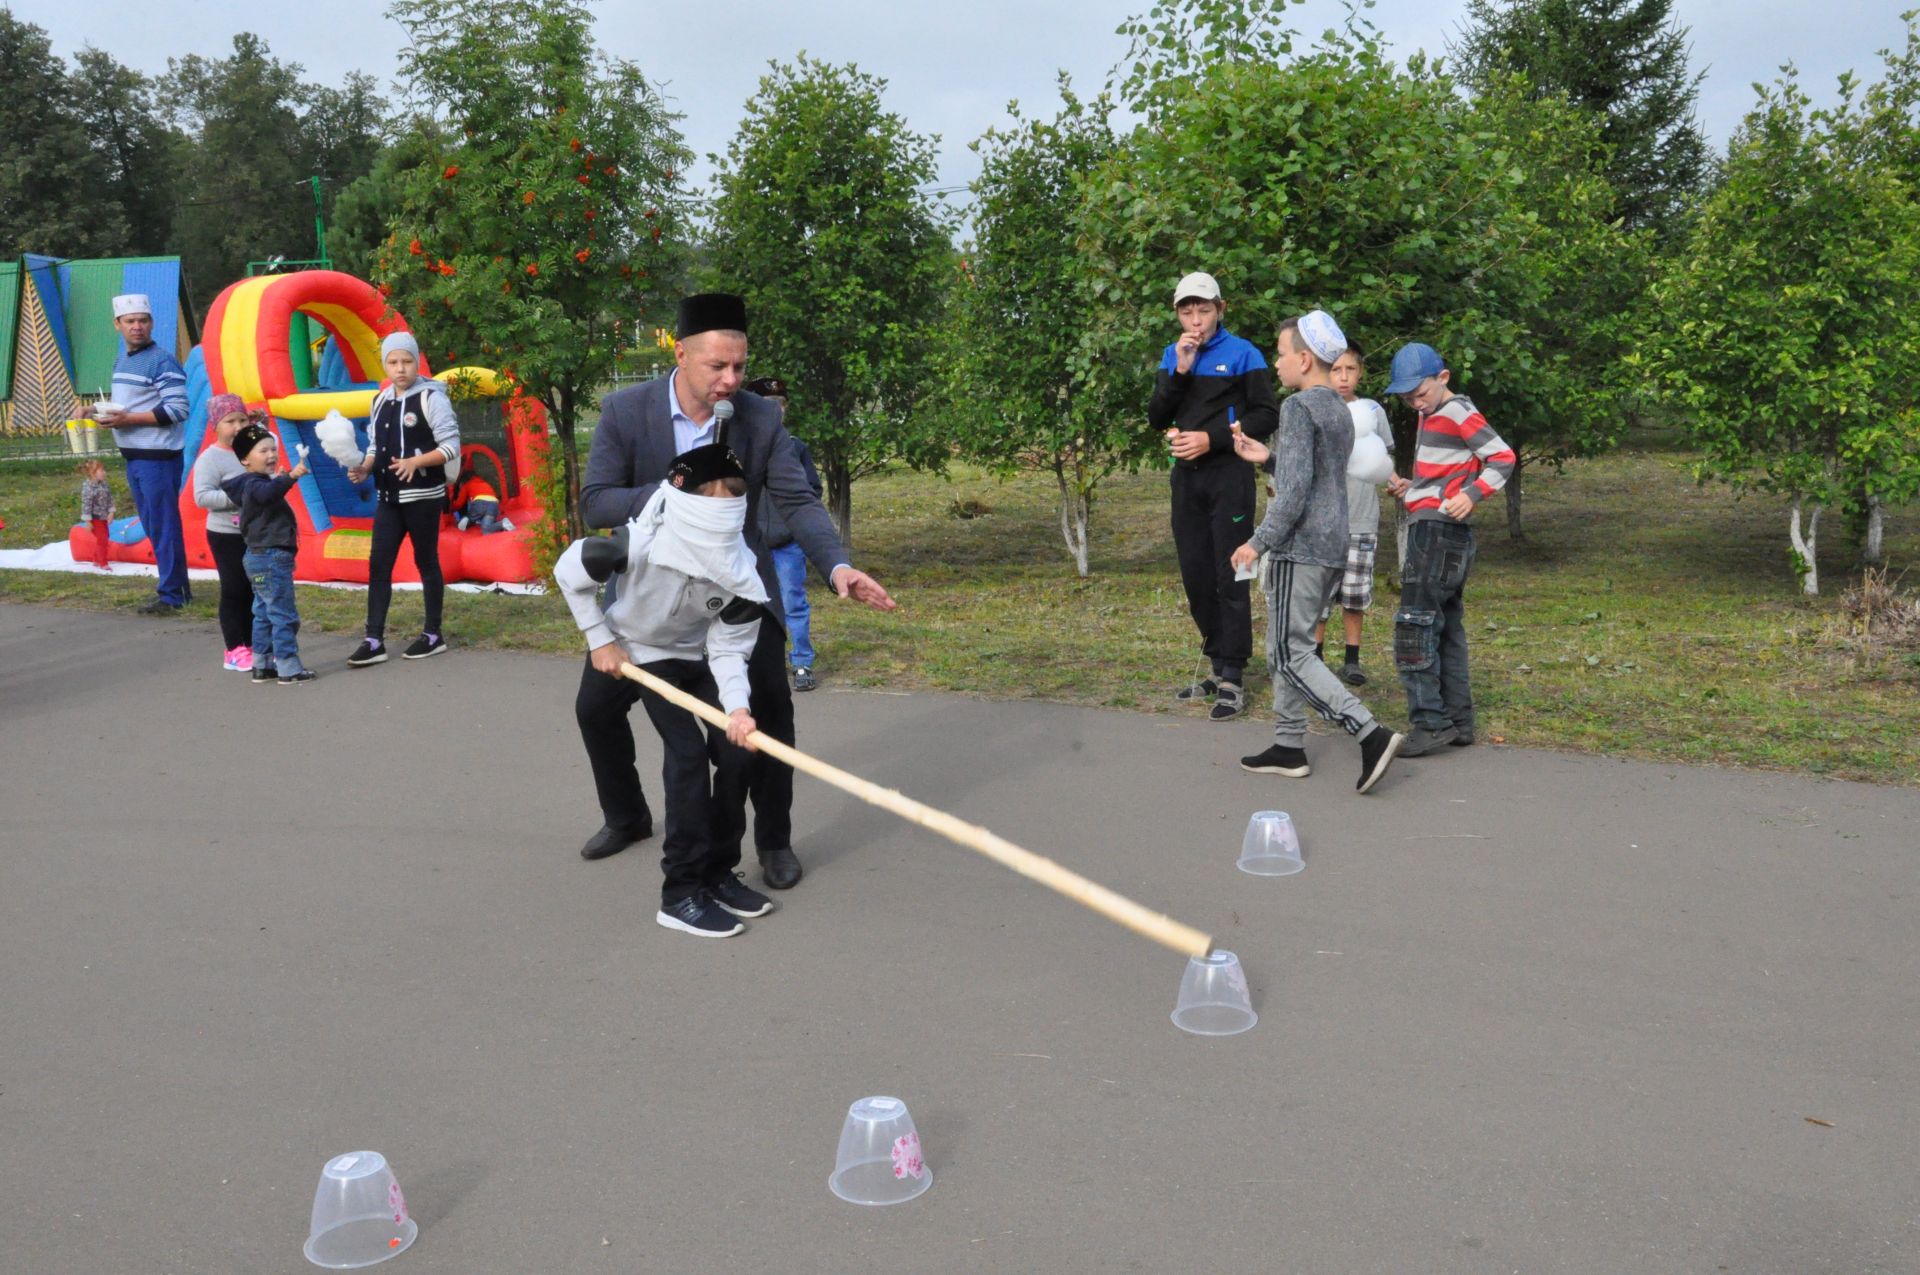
(1322, 335)
(132, 303)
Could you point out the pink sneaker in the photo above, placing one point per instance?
(240, 659)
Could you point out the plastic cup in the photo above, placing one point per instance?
(1214, 1000)
(359, 1215)
(879, 1160)
(1271, 847)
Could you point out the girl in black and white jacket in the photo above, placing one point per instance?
(413, 449)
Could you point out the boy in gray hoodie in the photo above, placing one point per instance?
(1304, 535)
(689, 612)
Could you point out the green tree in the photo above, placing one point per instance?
(1791, 339)
(1013, 397)
(258, 134)
(822, 224)
(53, 187)
(1340, 179)
(1575, 296)
(1626, 61)
(365, 210)
(551, 211)
(116, 106)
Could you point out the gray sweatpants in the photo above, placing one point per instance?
(1296, 592)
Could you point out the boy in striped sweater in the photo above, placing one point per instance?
(1458, 462)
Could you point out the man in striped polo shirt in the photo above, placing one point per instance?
(1458, 462)
(150, 429)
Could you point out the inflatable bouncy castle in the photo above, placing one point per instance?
(258, 343)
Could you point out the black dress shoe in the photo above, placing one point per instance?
(611, 840)
(780, 868)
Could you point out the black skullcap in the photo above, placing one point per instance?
(699, 466)
(710, 312)
(249, 437)
(767, 386)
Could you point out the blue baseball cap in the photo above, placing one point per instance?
(1412, 364)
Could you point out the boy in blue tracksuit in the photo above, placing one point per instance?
(150, 389)
(1209, 380)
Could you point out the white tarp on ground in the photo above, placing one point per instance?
(59, 557)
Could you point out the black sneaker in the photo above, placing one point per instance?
(1377, 752)
(422, 647)
(1291, 762)
(1229, 702)
(804, 680)
(1201, 690)
(157, 606)
(1352, 676)
(700, 916)
(294, 679)
(1465, 737)
(367, 653)
(736, 896)
(1421, 741)
(261, 676)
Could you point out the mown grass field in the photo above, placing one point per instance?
(1642, 616)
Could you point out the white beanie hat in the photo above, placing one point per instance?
(132, 303)
(399, 341)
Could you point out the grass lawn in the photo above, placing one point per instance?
(1642, 616)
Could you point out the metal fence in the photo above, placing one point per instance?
(58, 443)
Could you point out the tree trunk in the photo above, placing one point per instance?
(839, 497)
(563, 424)
(1873, 551)
(1514, 529)
(1073, 512)
(1805, 547)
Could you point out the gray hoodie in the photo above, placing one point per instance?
(1306, 520)
(215, 465)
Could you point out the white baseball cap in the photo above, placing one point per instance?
(132, 303)
(1198, 284)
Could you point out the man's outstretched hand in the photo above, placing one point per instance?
(858, 585)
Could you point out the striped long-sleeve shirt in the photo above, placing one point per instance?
(151, 380)
(1457, 451)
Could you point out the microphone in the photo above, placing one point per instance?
(722, 413)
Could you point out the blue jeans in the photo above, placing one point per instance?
(156, 495)
(790, 564)
(1429, 630)
(276, 624)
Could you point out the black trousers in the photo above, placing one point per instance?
(236, 589)
(601, 706)
(418, 521)
(704, 808)
(1213, 516)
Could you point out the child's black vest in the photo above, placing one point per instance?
(399, 429)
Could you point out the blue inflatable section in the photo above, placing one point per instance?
(333, 368)
(199, 391)
(329, 495)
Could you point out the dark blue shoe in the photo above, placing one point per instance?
(700, 916)
(736, 896)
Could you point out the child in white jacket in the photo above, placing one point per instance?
(688, 611)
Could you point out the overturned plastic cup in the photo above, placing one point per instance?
(1271, 847)
(879, 1160)
(1214, 1000)
(359, 1216)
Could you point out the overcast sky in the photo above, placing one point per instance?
(951, 66)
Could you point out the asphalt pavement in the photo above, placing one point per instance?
(1523, 1011)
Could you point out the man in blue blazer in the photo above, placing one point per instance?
(641, 430)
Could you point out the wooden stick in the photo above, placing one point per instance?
(1162, 929)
